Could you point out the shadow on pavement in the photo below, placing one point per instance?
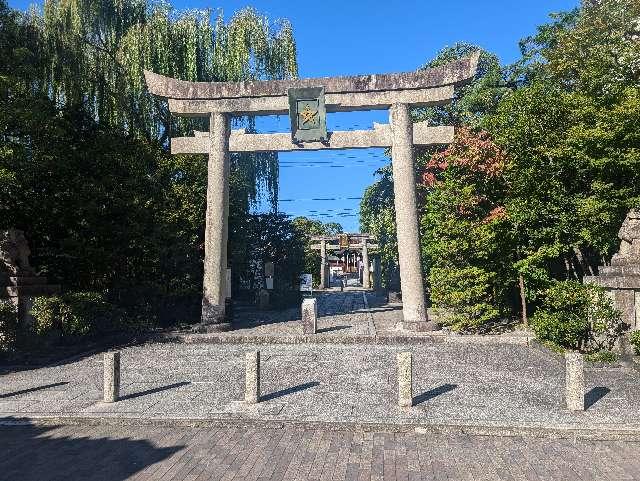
(426, 396)
(34, 453)
(32, 389)
(154, 390)
(334, 328)
(289, 390)
(594, 395)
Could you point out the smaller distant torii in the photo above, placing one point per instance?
(349, 242)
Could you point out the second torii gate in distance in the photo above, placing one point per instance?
(219, 101)
(336, 243)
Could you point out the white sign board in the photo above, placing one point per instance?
(306, 282)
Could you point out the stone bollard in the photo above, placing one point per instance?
(111, 377)
(310, 316)
(405, 382)
(263, 299)
(252, 378)
(575, 381)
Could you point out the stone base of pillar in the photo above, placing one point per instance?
(394, 297)
(212, 328)
(419, 326)
(214, 318)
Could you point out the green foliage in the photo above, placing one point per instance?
(83, 163)
(97, 51)
(605, 357)
(270, 238)
(465, 230)
(464, 293)
(77, 314)
(377, 217)
(305, 229)
(577, 316)
(572, 175)
(634, 339)
(8, 324)
(594, 49)
(474, 100)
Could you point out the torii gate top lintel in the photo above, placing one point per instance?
(454, 73)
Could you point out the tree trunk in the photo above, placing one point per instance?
(523, 300)
(587, 269)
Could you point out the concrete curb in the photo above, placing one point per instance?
(597, 432)
(342, 340)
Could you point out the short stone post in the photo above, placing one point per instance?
(405, 381)
(263, 299)
(377, 279)
(252, 377)
(310, 316)
(111, 377)
(575, 381)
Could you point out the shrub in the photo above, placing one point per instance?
(634, 339)
(605, 357)
(76, 314)
(8, 324)
(577, 316)
(465, 292)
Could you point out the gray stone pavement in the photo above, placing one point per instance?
(340, 314)
(354, 314)
(46, 453)
(460, 382)
(454, 384)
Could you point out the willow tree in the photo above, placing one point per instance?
(98, 49)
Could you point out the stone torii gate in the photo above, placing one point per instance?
(327, 244)
(397, 92)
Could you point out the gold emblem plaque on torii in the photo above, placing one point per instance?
(308, 114)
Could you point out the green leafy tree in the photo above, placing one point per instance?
(465, 231)
(378, 217)
(472, 101)
(82, 144)
(594, 49)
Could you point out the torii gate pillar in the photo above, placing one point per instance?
(324, 268)
(216, 224)
(414, 306)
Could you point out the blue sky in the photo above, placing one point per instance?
(359, 37)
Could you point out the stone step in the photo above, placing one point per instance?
(27, 280)
(627, 270)
(33, 290)
(615, 281)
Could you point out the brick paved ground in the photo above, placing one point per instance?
(36, 453)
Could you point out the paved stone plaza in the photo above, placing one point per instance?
(459, 383)
(329, 410)
(349, 316)
(37, 453)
